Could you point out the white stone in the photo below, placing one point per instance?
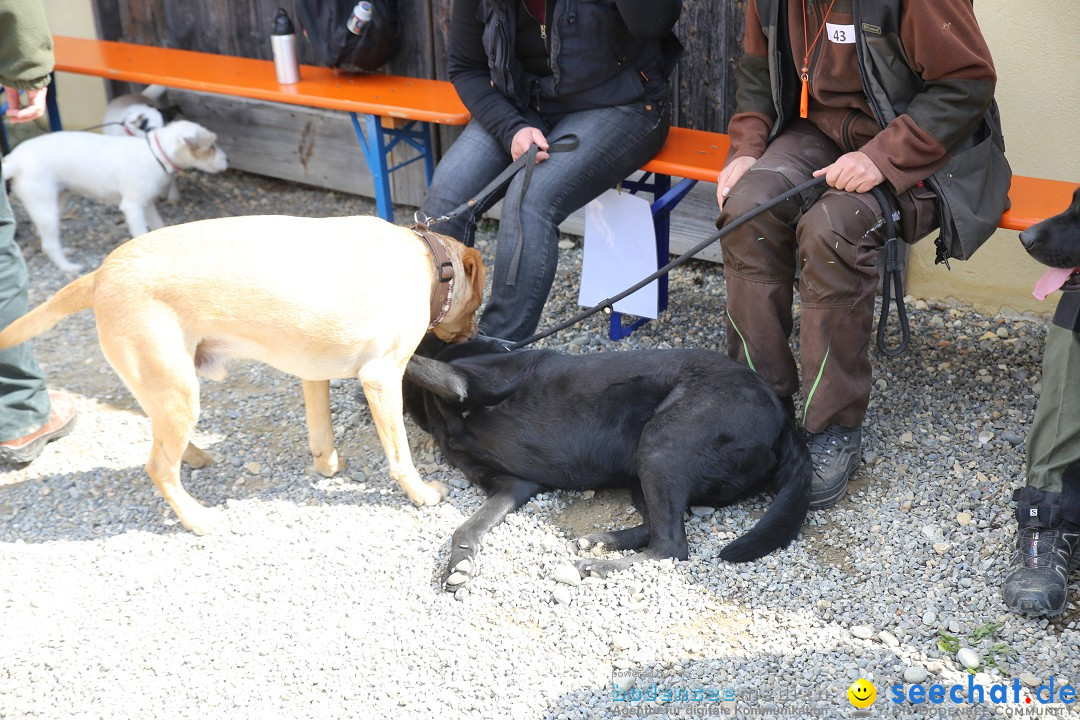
(862, 631)
(888, 638)
(915, 675)
(968, 658)
(567, 575)
(562, 595)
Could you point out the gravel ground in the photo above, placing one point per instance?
(322, 598)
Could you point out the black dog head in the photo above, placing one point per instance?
(1055, 242)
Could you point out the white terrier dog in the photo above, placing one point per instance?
(131, 172)
(134, 113)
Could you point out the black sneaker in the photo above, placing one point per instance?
(835, 453)
(1046, 550)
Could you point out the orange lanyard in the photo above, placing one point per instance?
(804, 73)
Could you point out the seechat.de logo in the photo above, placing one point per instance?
(862, 693)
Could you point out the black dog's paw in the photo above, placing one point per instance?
(460, 570)
(588, 546)
(595, 568)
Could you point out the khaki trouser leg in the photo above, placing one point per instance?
(1054, 438)
(759, 269)
(838, 248)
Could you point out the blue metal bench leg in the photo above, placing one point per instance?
(51, 106)
(666, 198)
(427, 152)
(375, 150)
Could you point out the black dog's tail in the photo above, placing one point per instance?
(781, 522)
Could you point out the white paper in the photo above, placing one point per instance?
(620, 251)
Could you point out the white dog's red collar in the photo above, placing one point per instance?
(160, 155)
(444, 288)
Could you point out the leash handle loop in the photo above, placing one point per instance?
(892, 278)
(527, 160)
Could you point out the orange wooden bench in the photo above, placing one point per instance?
(401, 109)
(697, 155)
(394, 109)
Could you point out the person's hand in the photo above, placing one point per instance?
(730, 175)
(525, 137)
(34, 108)
(853, 172)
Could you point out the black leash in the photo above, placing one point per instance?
(605, 305)
(892, 277)
(892, 266)
(527, 160)
(98, 127)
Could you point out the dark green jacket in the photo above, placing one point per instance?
(26, 56)
(972, 188)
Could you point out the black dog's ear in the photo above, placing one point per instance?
(438, 377)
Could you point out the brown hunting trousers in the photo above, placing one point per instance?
(833, 238)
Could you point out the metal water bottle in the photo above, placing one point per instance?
(361, 16)
(283, 44)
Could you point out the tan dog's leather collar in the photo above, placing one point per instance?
(444, 267)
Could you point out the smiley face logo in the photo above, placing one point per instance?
(862, 693)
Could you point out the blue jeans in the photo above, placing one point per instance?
(613, 143)
(24, 399)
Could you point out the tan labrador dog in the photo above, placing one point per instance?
(319, 298)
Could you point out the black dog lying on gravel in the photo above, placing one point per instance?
(1055, 242)
(675, 427)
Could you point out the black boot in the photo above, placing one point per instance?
(835, 452)
(1046, 551)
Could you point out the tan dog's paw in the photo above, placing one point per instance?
(329, 466)
(196, 458)
(206, 521)
(431, 493)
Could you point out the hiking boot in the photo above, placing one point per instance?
(1046, 550)
(835, 453)
(61, 421)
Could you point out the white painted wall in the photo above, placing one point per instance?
(82, 98)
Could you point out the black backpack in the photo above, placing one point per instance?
(324, 24)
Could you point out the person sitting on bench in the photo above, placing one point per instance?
(890, 92)
(536, 71)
